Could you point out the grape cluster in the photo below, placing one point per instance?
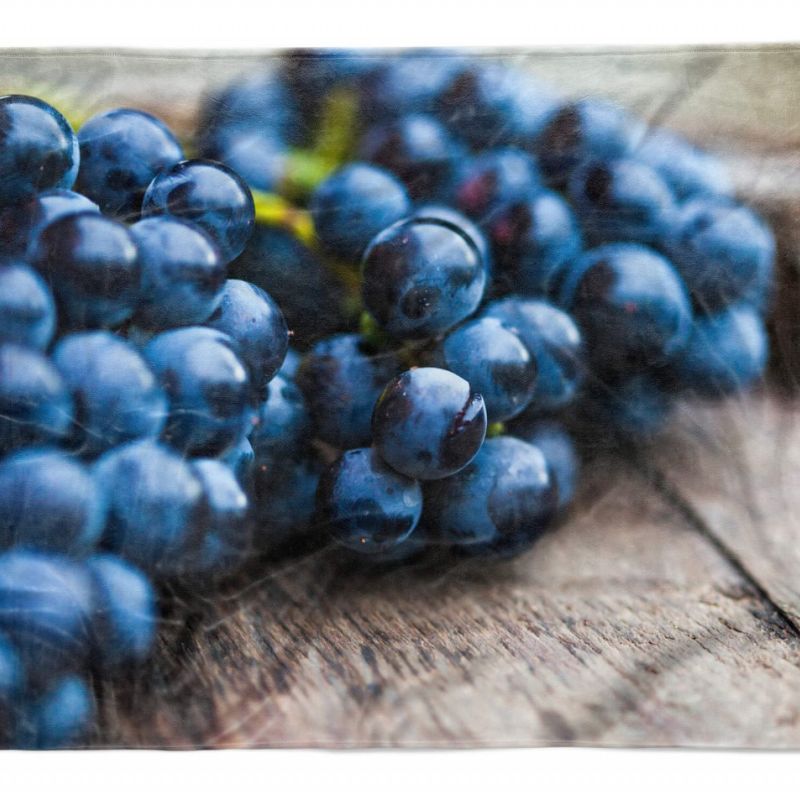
(476, 276)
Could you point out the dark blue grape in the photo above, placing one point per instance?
(724, 252)
(49, 501)
(621, 200)
(499, 505)
(463, 223)
(311, 299)
(554, 341)
(35, 405)
(283, 421)
(155, 505)
(365, 505)
(421, 277)
(631, 306)
(353, 205)
(291, 363)
(496, 176)
(428, 423)
(182, 274)
(532, 238)
(45, 608)
(253, 320)
(12, 683)
(38, 149)
(121, 152)
(495, 363)
(241, 460)
(688, 170)
(207, 386)
(341, 379)
(61, 717)
(93, 266)
(254, 154)
(726, 353)
(27, 310)
(209, 194)
(124, 614)
(116, 395)
(417, 149)
(584, 129)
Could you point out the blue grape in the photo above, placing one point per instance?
(428, 423)
(62, 717)
(353, 205)
(253, 320)
(631, 306)
(39, 149)
(12, 682)
(726, 353)
(182, 274)
(365, 505)
(341, 379)
(27, 309)
(124, 615)
(457, 220)
(532, 238)
(291, 363)
(155, 503)
(724, 252)
(494, 177)
(93, 266)
(241, 460)
(256, 155)
(284, 423)
(209, 194)
(115, 393)
(554, 341)
(421, 277)
(207, 386)
(35, 405)
(121, 152)
(417, 149)
(498, 505)
(45, 608)
(621, 200)
(495, 363)
(50, 502)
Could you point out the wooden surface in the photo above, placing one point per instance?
(664, 611)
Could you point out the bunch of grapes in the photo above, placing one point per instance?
(471, 271)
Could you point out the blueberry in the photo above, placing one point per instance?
(49, 501)
(583, 129)
(493, 177)
(631, 306)
(35, 405)
(256, 155)
(124, 615)
(726, 353)
(310, 298)
(121, 152)
(417, 149)
(45, 607)
(241, 460)
(364, 504)
(495, 363)
(499, 505)
(155, 505)
(428, 423)
(253, 320)
(688, 170)
(283, 424)
(93, 266)
(62, 717)
(554, 341)
(115, 393)
(457, 220)
(724, 252)
(353, 205)
(39, 149)
(421, 277)
(621, 200)
(341, 379)
(532, 238)
(21, 223)
(558, 449)
(27, 309)
(209, 194)
(207, 387)
(182, 274)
